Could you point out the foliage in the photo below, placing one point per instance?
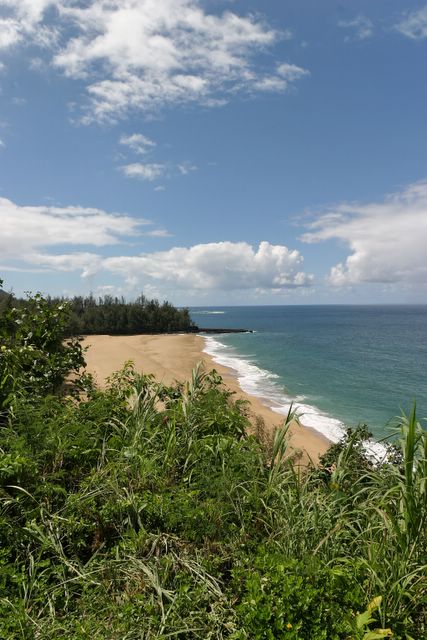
(34, 358)
(109, 315)
(291, 599)
(116, 316)
(144, 511)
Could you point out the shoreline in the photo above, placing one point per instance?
(171, 357)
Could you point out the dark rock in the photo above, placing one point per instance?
(211, 330)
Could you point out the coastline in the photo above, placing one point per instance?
(172, 357)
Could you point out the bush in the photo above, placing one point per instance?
(298, 600)
(34, 358)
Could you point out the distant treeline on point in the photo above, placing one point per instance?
(113, 315)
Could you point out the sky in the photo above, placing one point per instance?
(215, 152)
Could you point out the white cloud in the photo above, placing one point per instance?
(151, 172)
(414, 24)
(279, 81)
(158, 52)
(362, 26)
(145, 54)
(27, 230)
(29, 12)
(270, 83)
(24, 22)
(138, 143)
(186, 167)
(87, 263)
(36, 64)
(221, 265)
(158, 233)
(148, 172)
(57, 239)
(387, 239)
(291, 72)
(9, 33)
(108, 290)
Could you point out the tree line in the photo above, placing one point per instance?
(88, 315)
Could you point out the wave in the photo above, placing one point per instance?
(264, 385)
(207, 313)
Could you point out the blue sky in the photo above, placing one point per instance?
(216, 151)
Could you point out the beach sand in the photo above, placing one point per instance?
(171, 358)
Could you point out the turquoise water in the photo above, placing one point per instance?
(340, 365)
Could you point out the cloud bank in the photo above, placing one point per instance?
(387, 239)
(77, 239)
(218, 265)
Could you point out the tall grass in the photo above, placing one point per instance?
(146, 511)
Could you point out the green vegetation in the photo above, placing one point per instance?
(146, 511)
(88, 316)
(35, 358)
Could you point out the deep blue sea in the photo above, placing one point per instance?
(339, 365)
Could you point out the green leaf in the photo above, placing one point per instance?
(374, 604)
(378, 634)
(363, 619)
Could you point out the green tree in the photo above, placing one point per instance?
(34, 358)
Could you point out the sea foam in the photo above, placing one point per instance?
(265, 385)
(207, 313)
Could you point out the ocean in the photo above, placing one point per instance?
(338, 365)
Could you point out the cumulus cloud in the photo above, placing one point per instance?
(220, 265)
(386, 239)
(145, 54)
(77, 239)
(414, 24)
(362, 26)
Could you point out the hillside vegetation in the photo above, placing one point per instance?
(144, 511)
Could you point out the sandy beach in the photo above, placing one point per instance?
(171, 358)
